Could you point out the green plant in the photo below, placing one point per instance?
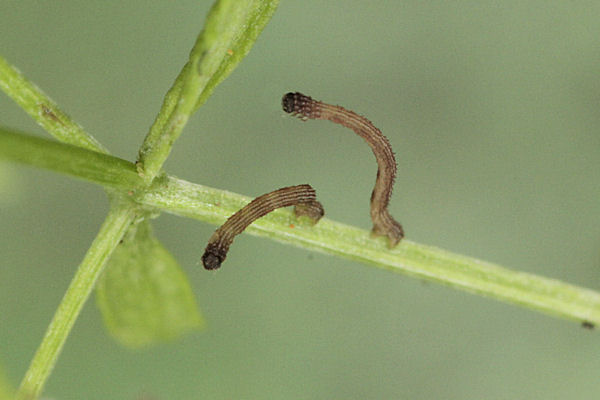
(140, 192)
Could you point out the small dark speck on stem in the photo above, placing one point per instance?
(48, 113)
(588, 325)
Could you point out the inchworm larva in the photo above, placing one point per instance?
(307, 108)
(303, 197)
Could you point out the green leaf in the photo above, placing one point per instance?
(244, 24)
(43, 109)
(68, 159)
(232, 27)
(144, 296)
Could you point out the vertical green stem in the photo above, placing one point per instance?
(118, 220)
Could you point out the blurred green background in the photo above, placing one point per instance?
(492, 109)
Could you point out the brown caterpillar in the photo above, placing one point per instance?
(302, 197)
(307, 108)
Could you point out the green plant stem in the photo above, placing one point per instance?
(118, 220)
(257, 14)
(425, 262)
(67, 159)
(231, 29)
(43, 110)
(214, 206)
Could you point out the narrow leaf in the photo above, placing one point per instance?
(231, 29)
(252, 19)
(43, 109)
(68, 159)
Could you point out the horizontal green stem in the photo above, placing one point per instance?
(67, 159)
(535, 292)
(214, 206)
(112, 230)
(43, 110)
